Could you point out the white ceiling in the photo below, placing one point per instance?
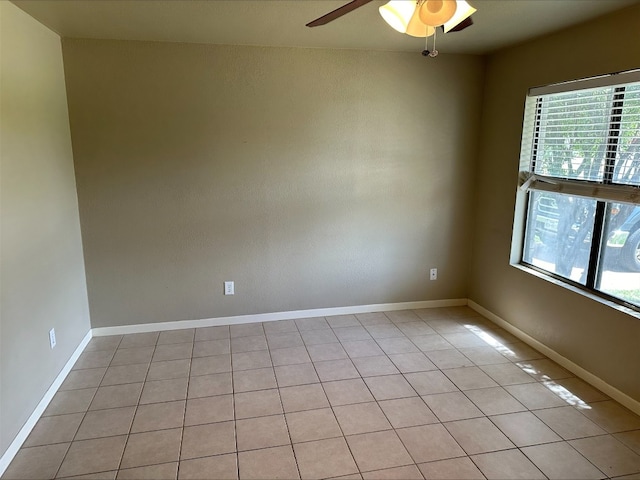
(498, 23)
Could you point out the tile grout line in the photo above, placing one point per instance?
(84, 414)
(284, 416)
(418, 396)
(186, 404)
(528, 410)
(402, 374)
(321, 383)
(562, 440)
(233, 396)
(126, 443)
(468, 455)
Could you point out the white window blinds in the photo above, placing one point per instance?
(583, 138)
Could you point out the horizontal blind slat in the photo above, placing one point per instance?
(613, 193)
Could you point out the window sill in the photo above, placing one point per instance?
(581, 291)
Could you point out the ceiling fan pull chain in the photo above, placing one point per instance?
(434, 53)
(426, 52)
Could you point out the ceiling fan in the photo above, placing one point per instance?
(418, 18)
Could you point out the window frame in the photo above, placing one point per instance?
(601, 191)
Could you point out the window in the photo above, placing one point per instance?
(580, 185)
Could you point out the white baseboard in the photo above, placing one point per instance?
(272, 317)
(24, 432)
(574, 368)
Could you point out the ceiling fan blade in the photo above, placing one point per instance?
(338, 12)
(467, 22)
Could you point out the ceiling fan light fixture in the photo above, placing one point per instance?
(417, 18)
(404, 17)
(416, 28)
(463, 11)
(398, 14)
(437, 12)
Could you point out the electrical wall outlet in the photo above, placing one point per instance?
(433, 274)
(52, 337)
(229, 288)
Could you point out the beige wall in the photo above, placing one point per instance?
(312, 178)
(42, 269)
(601, 340)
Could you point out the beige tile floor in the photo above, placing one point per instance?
(434, 393)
